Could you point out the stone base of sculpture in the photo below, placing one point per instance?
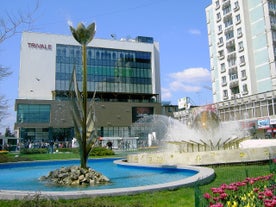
(248, 153)
(74, 176)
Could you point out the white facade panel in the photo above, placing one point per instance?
(38, 62)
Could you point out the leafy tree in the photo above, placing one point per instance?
(11, 24)
(8, 133)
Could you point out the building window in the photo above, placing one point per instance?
(273, 20)
(243, 74)
(233, 76)
(272, 5)
(220, 41)
(244, 88)
(242, 60)
(229, 35)
(217, 4)
(33, 113)
(219, 28)
(223, 80)
(236, 5)
(226, 10)
(123, 71)
(228, 22)
(231, 62)
(239, 32)
(222, 67)
(218, 17)
(241, 46)
(225, 94)
(238, 18)
(221, 54)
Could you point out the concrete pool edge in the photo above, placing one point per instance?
(204, 175)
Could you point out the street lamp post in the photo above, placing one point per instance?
(83, 36)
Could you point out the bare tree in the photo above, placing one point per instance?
(11, 24)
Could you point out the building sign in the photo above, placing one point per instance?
(141, 112)
(272, 121)
(39, 46)
(263, 123)
(184, 103)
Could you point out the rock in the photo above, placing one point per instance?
(75, 175)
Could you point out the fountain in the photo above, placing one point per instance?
(201, 140)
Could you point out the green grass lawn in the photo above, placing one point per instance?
(182, 197)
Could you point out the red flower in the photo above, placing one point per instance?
(207, 196)
(268, 193)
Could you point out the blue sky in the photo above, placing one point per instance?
(178, 25)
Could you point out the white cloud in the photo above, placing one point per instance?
(194, 32)
(166, 94)
(192, 75)
(179, 86)
(189, 80)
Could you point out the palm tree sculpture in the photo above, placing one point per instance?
(83, 116)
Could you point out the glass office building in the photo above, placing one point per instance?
(123, 74)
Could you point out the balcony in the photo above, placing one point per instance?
(242, 63)
(244, 92)
(231, 56)
(221, 57)
(225, 97)
(230, 43)
(273, 26)
(243, 78)
(240, 34)
(272, 12)
(227, 16)
(233, 69)
(234, 83)
(224, 84)
(241, 49)
(220, 44)
(236, 8)
(226, 3)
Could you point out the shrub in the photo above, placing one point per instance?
(71, 150)
(101, 151)
(34, 151)
(4, 152)
(4, 158)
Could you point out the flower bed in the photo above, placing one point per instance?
(251, 192)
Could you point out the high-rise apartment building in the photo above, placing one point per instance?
(242, 45)
(125, 74)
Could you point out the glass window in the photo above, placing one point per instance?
(220, 28)
(238, 18)
(242, 60)
(241, 45)
(244, 87)
(104, 66)
(228, 22)
(226, 10)
(222, 67)
(223, 79)
(236, 5)
(243, 73)
(239, 32)
(33, 113)
(218, 16)
(229, 35)
(225, 93)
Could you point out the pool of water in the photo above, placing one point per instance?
(25, 176)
